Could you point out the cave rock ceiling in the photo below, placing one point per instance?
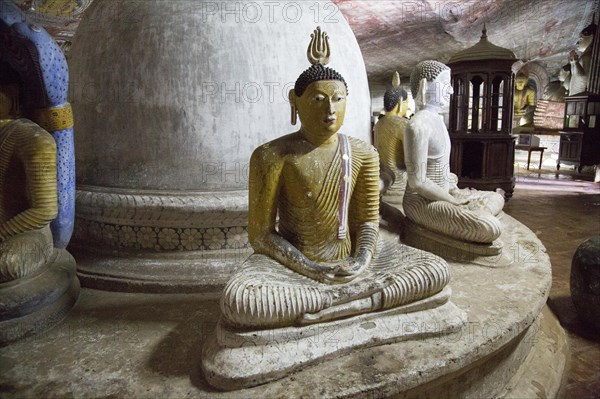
(396, 34)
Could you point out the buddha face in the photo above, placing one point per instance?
(322, 107)
(520, 82)
(439, 90)
(584, 42)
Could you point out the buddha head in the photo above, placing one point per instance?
(430, 80)
(319, 95)
(395, 99)
(564, 72)
(564, 76)
(521, 81)
(586, 36)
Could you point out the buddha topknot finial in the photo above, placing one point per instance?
(396, 80)
(318, 49)
(395, 94)
(318, 55)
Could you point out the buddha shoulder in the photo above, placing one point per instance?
(29, 138)
(395, 121)
(362, 149)
(274, 151)
(423, 121)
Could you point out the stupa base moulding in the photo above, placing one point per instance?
(153, 241)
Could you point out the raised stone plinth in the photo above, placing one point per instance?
(146, 345)
(234, 359)
(37, 302)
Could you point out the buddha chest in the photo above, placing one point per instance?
(306, 176)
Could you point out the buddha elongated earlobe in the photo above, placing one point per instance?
(294, 115)
(404, 107)
(292, 99)
(423, 90)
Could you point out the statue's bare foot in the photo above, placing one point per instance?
(352, 308)
(360, 289)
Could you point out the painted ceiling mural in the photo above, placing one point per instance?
(396, 34)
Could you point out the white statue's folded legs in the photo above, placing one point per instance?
(478, 225)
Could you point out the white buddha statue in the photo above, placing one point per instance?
(433, 200)
(581, 63)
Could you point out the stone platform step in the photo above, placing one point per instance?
(543, 372)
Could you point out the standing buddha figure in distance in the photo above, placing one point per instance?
(433, 200)
(581, 63)
(390, 135)
(314, 225)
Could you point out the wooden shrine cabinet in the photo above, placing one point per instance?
(481, 108)
(580, 137)
(484, 164)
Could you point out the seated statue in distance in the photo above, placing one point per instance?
(389, 132)
(524, 101)
(28, 194)
(432, 199)
(314, 225)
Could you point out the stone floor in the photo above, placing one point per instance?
(563, 210)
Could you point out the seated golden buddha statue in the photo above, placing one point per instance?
(38, 282)
(389, 132)
(524, 101)
(28, 196)
(432, 199)
(314, 225)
